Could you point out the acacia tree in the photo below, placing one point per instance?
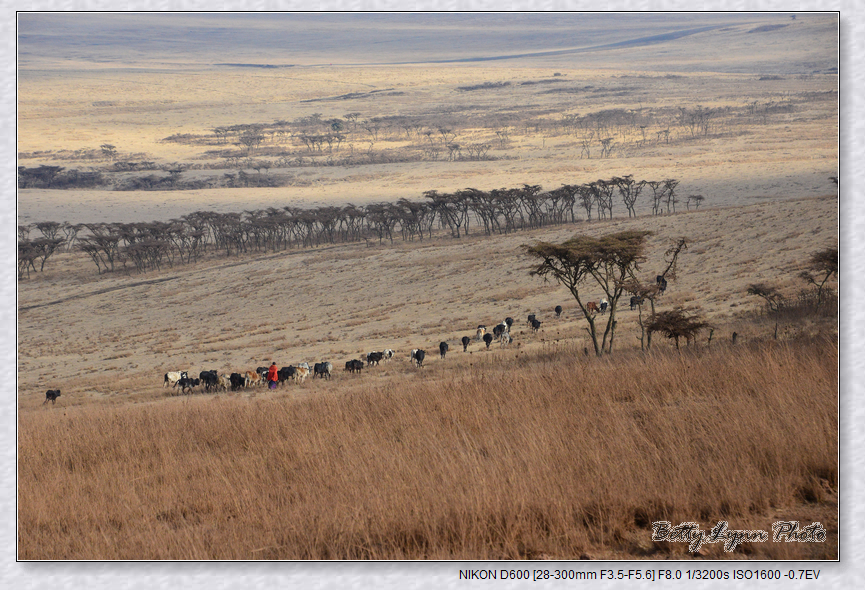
(821, 267)
(676, 324)
(629, 190)
(650, 290)
(771, 295)
(607, 262)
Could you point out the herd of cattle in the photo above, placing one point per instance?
(211, 380)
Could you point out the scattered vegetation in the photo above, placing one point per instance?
(156, 244)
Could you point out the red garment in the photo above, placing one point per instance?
(272, 373)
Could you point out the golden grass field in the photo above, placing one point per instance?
(528, 452)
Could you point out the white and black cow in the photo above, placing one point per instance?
(172, 377)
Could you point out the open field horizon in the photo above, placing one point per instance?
(143, 119)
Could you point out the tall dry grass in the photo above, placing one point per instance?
(519, 456)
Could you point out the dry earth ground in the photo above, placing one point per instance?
(336, 303)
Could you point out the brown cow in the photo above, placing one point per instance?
(592, 307)
(252, 378)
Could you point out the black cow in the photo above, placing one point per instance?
(661, 282)
(488, 339)
(535, 325)
(285, 373)
(443, 349)
(510, 322)
(635, 301)
(419, 356)
(499, 330)
(466, 341)
(51, 396)
(354, 366)
(373, 358)
(237, 381)
(531, 318)
(210, 379)
(558, 311)
(322, 370)
(188, 383)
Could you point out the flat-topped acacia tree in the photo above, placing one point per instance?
(608, 262)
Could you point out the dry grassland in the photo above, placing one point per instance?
(529, 452)
(539, 455)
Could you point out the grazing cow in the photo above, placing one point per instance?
(418, 355)
(635, 301)
(443, 349)
(285, 373)
(252, 378)
(488, 339)
(172, 377)
(604, 304)
(322, 370)
(374, 358)
(466, 340)
(661, 282)
(388, 354)
(531, 318)
(223, 383)
(592, 307)
(301, 373)
(210, 379)
(510, 322)
(535, 325)
(51, 396)
(482, 330)
(237, 381)
(187, 383)
(354, 366)
(558, 311)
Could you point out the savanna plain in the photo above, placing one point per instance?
(271, 202)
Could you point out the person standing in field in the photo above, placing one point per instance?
(272, 377)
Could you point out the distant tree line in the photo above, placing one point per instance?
(153, 245)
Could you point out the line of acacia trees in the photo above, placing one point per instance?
(153, 245)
